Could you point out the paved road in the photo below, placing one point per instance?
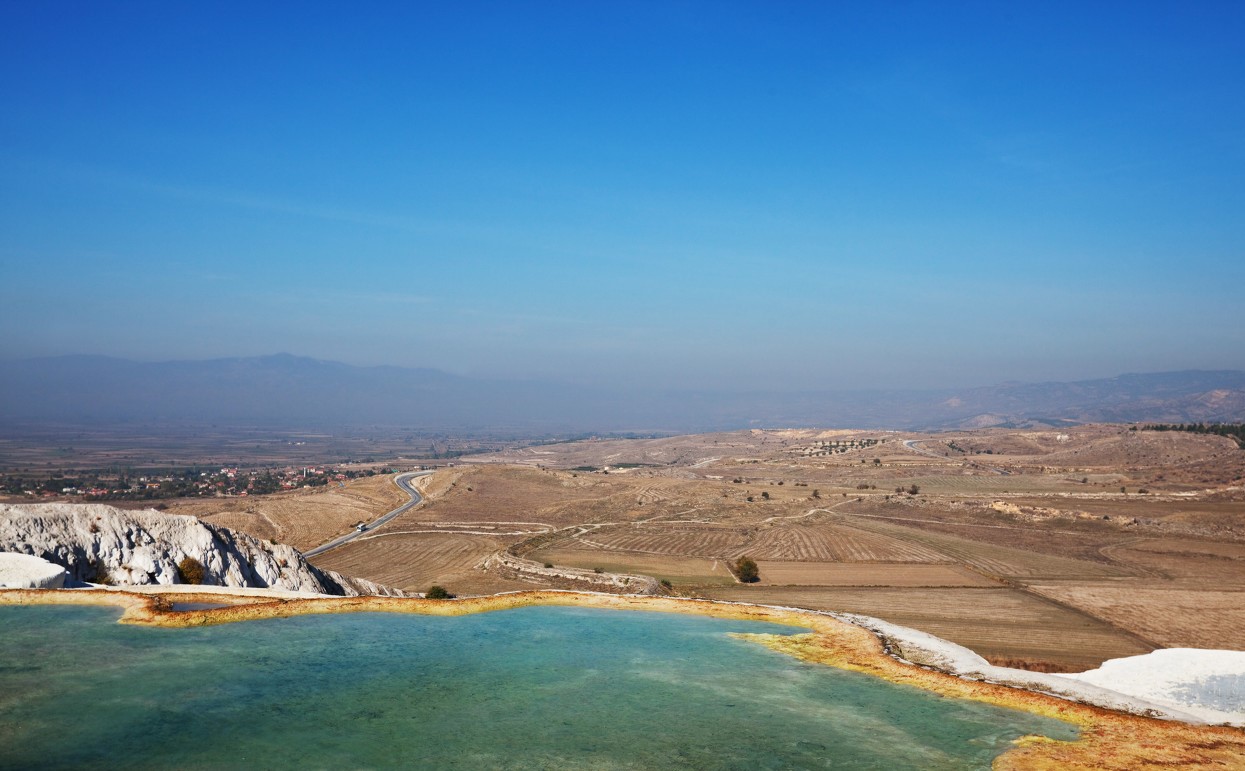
(911, 444)
(403, 481)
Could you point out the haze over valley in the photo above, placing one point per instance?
(291, 392)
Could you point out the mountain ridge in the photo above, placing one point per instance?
(287, 390)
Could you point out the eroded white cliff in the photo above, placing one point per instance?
(103, 544)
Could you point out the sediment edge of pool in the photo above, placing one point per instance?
(1109, 739)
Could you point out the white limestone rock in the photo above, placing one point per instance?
(103, 544)
(22, 571)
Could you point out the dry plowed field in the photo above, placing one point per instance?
(996, 623)
(413, 562)
(674, 541)
(867, 574)
(977, 484)
(1170, 616)
(826, 543)
(1215, 564)
(678, 570)
(833, 543)
(989, 558)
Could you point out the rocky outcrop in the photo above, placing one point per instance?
(103, 544)
(22, 571)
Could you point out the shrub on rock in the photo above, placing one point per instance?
(191, 570)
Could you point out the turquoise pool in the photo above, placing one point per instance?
(527, 688)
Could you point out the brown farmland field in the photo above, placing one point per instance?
(678, 570)
(835, 543)
(867, 574)
(999, 624)
(415, 562)
(681, 541)
(1171, 616)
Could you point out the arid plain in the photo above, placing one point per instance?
(1050, 549)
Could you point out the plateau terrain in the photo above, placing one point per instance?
(1044, 549)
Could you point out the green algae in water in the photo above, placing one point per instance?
(524, 688)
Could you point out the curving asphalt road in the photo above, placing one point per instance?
(403, 481)
(911, 444)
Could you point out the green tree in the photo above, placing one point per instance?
(746, 570)
(438, 592)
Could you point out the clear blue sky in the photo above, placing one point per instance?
(775, 195)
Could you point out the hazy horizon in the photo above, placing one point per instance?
(279, 355)
(684, 196)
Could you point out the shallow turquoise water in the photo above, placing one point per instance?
(529, 688)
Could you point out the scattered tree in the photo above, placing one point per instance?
(746, 570)
(438, 592)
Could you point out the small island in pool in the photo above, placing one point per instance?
(555, 680)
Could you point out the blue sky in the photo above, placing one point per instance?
(743, 195)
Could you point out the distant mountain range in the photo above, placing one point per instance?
(297, 392)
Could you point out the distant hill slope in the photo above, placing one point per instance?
(292, 391)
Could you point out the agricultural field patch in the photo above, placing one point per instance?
(1215, 563)
(414, 561)
(974, 483)
(674, 541)
(868, 574)
(678, 570)
(1170, 615)
(989, 558)
(1003, 625)
(832, 543)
